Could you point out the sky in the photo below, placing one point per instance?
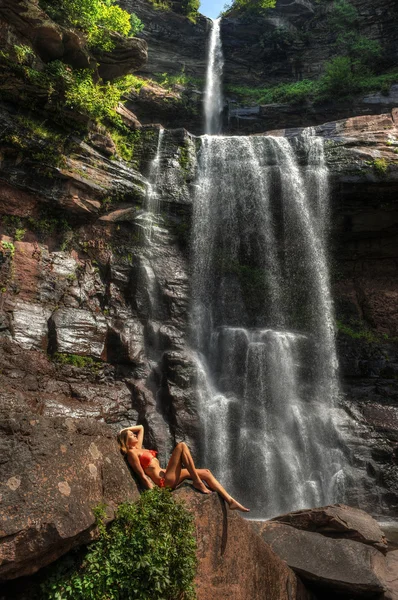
(211, 8)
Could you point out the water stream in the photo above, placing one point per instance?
(213, 93)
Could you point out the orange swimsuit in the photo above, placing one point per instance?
(145, 460)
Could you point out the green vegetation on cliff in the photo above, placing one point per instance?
(189, 8)
(147, 553)
(97, 18)
(337, 81)
(249, 5)
(355, 66)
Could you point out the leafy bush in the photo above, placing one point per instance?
(97, 18)
(23, 54)
(249, 5)
(339, 78)
(190, 9)
(360, 334)
(343, 16)
(147, 553)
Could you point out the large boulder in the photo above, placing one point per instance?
(338, 521)
(53, 472)
(329, 565)
(25, 20)
(234, 562)
(391, 576)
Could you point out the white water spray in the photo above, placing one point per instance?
(262, 322)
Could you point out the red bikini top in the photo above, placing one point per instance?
(146, 458)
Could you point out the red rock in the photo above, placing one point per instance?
(54, 472)
(16, 202)
(391, 576)
(234, 562)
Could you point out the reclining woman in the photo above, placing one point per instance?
(180, 467)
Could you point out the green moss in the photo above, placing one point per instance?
(356, 334)
(75, 360)
(7, 248)
(380, 165)
(147, 553)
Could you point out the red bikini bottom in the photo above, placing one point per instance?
(161, 482)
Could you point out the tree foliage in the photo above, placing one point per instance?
(342, 16)
(147, 553)
(97, 18)
(250, 5)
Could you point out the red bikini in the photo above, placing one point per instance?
(146, 457)
(145, 460)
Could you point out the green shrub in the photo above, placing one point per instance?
(364, 334)
(147, 553)
(343, 16)
(339, 78)
(380, 165)
(97, 18)
(190, 8)
(249, 5)
(75, 360)
(161, 4)
(23, 53)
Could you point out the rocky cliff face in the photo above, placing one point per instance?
(94, 307)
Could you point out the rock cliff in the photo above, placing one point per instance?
(94, 310)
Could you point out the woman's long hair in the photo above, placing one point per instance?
(122, 440)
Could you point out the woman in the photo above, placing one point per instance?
(146, 465)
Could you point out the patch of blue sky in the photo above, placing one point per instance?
(212, 8)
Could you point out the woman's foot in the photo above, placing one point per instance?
(234, 505)
(199, 485)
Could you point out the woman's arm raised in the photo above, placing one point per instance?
(139, 430)
(135, 464)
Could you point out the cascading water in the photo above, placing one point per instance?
(262, 315)
(149, 222)
(152, 198)
(213, 92)
(262, 320)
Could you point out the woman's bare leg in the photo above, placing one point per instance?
(216, 486)
(182, 456)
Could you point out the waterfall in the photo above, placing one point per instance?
(262, 322)
(213, 93)
(152, 197)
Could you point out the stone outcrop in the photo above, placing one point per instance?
(328, 564)
(338, 521)
(54, 471)
(23, 20)
(337, 550)
(391, 576)
(128, 55)
(234, 562)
